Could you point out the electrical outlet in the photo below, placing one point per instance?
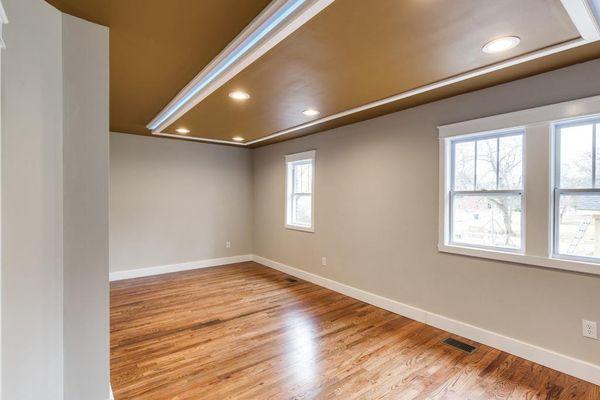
(590, 329)
(228, 244)
(324, 261)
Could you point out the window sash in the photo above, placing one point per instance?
(294, 181)
(484, 192)
(559, 191)
(557, 146)
(304, 182)
(451, 201)
(293, 213)
(556, 223)
(475, 139)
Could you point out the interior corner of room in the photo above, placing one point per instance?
(299, 199)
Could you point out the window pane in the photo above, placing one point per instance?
(464, 166)
(483, 220)
(487, 160)
(579, 225)
(510, 174)
(302, 177)
(301, 209)
(576, 157)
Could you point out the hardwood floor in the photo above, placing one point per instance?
(249, 332)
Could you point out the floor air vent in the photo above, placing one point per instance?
(459, 345)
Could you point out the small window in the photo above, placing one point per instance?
(577, 190)
(486, 191)
(300, 178)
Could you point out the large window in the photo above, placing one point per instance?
(486, 199)
(577, 190)
(300, 173)
(524, 187)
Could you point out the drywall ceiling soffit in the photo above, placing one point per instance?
(350, 59)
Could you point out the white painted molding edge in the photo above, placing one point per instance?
(112, 396)
(548, 358)
(582, 14)
(185, 266)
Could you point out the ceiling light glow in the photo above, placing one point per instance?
(501, 44)
(238, 138)
(239, 95)
(182, 131)
(311, 112)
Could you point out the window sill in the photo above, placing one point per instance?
(519, 258)
(300, 228)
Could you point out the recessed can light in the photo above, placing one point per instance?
(238, 138)
(311, 112)
(501, 44)
(237, 95)
(182, 131)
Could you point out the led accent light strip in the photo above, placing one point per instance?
(242, 49)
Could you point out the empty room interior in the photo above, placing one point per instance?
(300, 199)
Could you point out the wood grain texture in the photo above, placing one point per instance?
(245, 331)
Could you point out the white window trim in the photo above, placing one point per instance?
(306, 155)
(539, 135)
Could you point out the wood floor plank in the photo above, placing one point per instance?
(245, 331)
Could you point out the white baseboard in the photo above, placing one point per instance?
(112, 396)
(165, 269)
(560, 362)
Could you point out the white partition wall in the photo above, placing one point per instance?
(85, 205)
(54, 206)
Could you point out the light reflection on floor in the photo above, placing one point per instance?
(300, 336)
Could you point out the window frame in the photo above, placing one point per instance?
(485, 192)
(538, 183)
(290, 161)
(594, 120)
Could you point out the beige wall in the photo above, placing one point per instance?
(377, 220)
(174, 201)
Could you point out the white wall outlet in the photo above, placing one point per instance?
(590, 329)
(228, 244)
(324, 261)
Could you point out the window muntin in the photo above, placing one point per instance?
(577, 190)
(299, 192)
(486, 191)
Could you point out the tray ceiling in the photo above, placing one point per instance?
(352, 53)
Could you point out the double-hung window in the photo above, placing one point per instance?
(524, 187)
(577, 190)
(300, 176)
(486, 191)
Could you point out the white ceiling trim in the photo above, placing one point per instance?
(276, 22)
(198, 139)
(580, 12)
